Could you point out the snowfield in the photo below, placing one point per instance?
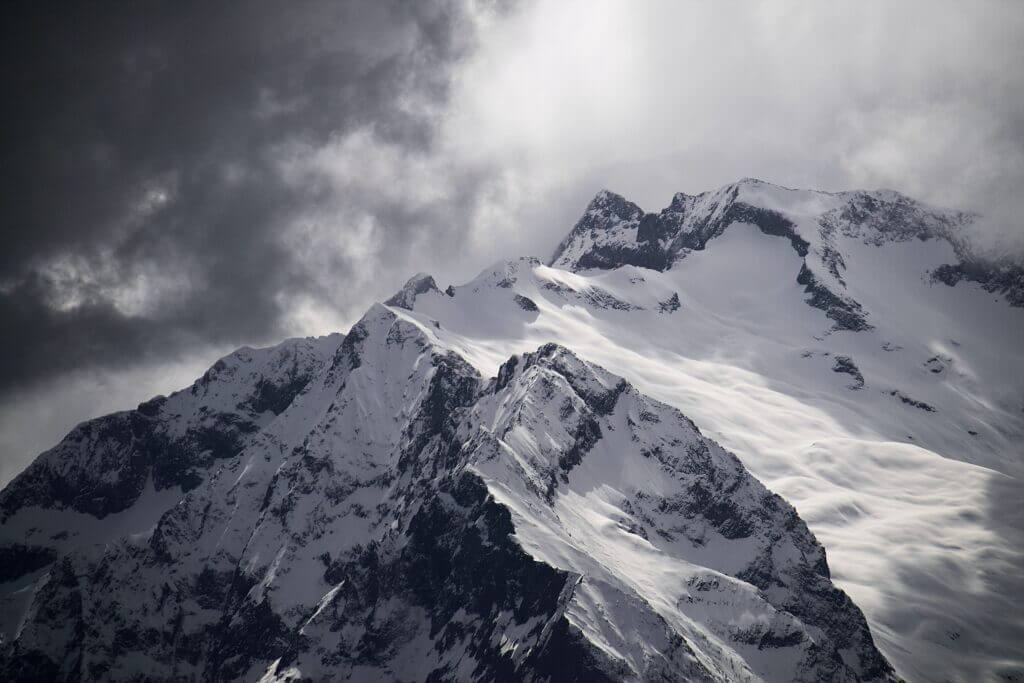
(923, 520)
(464, 486)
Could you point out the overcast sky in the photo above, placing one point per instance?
(184, 178)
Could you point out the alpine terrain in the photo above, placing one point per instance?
(762, 434)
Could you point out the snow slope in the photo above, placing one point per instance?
(113, 477)
(404, 519)
(898, 440)
(395, 514)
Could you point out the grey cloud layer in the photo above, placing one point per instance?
(921, 96)
(145, 209)
(184, 178)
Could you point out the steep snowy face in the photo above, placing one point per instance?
(114, 476)
(372, 507)
(133, 465)
(888, 412)
(404, 519)
(421, 283)
(604, 235)
(614, 232)
(689, 566)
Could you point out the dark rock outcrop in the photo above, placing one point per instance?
(342, 542)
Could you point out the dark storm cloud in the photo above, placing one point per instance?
(183, 178)
(144, 206)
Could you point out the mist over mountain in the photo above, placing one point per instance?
(761, 434)
(186, 179)
(512, 340)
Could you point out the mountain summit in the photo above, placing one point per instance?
(763, 434)
(614, 232)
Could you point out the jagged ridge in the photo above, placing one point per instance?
(387, 522)
(614, 232)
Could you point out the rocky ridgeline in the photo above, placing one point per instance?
(614, 232)
(369, 506)
(388, 513)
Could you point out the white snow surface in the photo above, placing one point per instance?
(910, 477)
(922, 520)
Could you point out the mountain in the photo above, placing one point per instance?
(614, 232)
(521, 477)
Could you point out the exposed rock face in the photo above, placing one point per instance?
(844, 311)
(420, 283)
(403, 518)
(845, 365)
(104, 465)
(375, 507)
(920, 405)
(525, 303)
(606, 212)
(670, 305)
(1006, 279)
(614, 232)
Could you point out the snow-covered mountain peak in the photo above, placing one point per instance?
(403, 518)
(505, 480)
(614, 468)
(168, 441)
(500, 275)
(611, 203)
(504, 274)
(827, 230)
(420, 283)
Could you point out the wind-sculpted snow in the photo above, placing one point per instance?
(404, 519)
(911, 478)
(668, 530)
(371, 507)
(614, 232)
